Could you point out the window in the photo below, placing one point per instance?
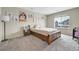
(61, 22)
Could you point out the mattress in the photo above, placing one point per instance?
(45, 31)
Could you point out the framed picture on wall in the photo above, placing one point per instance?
(22, 17)
(30, 17)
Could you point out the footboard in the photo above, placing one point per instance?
(54, 36)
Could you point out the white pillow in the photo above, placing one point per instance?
(32, 26)
(37, 27)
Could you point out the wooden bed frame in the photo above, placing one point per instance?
(49, 38)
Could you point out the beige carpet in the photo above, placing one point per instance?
(32, 43)
(28, 43)
(65, 43)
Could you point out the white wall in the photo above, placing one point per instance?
(1, 28)
(74, 20)
(38, 20)
(13, 28)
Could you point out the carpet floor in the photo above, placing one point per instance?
(32, 43)
(65, 43)
(28, 43)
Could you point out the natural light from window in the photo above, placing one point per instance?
(61, 22)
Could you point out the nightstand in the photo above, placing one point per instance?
(26, 33)
(26, 30)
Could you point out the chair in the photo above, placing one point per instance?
(76, 32)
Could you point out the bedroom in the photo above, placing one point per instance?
(44, 19)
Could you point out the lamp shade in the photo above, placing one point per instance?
(5, 18)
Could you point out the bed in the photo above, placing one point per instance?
(47, 34)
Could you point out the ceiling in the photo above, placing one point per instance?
(47, 10)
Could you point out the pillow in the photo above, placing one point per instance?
(32, 26)
(37, 27)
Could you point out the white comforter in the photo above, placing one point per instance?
(44, 31)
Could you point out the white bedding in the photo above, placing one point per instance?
(45, 31)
